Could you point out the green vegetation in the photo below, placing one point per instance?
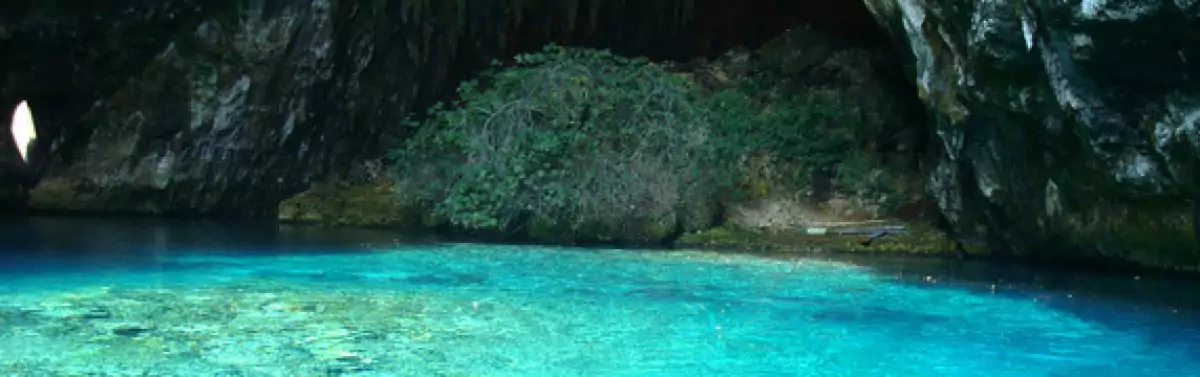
(801, 135)
(574, 141)
(861, 175)
(818, 132)
(568, 137)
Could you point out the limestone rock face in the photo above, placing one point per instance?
(1069, 127)
(212, 107)
(229, 106)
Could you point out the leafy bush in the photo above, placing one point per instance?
(861, 175)
(571, 138)
(803, 135)
(567, 135)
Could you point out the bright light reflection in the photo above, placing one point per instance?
(22, 129)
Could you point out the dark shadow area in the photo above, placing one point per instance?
(94, 242)
(65, 57)
(711, 27)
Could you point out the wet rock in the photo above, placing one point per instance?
(130, 330)
(370, 204)
(172, 333)
(915, 240)
(646, 230)
(343, 362)
(1067, 128)
(96, 313)
(13, 317)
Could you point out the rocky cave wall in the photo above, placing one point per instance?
(1069, 127)
(226, 107)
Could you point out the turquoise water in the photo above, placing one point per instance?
(79, 302)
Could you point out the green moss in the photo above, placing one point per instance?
(544, 229)
(758, 182)
(625, 231)
(949, 106)
(659, 231)
(1156, 235)
(59, 194)
(429, 219)
(371, 204)
(918, 240)
(719, 236)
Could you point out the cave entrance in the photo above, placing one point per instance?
(23, 130)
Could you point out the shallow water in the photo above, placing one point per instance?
(104, 297)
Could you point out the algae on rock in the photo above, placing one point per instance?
(917, 240)
(372, 204)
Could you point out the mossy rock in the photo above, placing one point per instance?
(918, 239)
(633, 231)
(1159, 235)
(53, 193)
(62, 194)
(369, 205)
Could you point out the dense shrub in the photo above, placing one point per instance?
(861, 175)
(787, 142)
(567, 135)
(805, 135)
(569, 138)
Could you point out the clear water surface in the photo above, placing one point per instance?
(91, 297)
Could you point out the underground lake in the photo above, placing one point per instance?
(814, 188)
(104, 297)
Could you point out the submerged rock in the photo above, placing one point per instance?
(130, 329)
(1068, 128)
